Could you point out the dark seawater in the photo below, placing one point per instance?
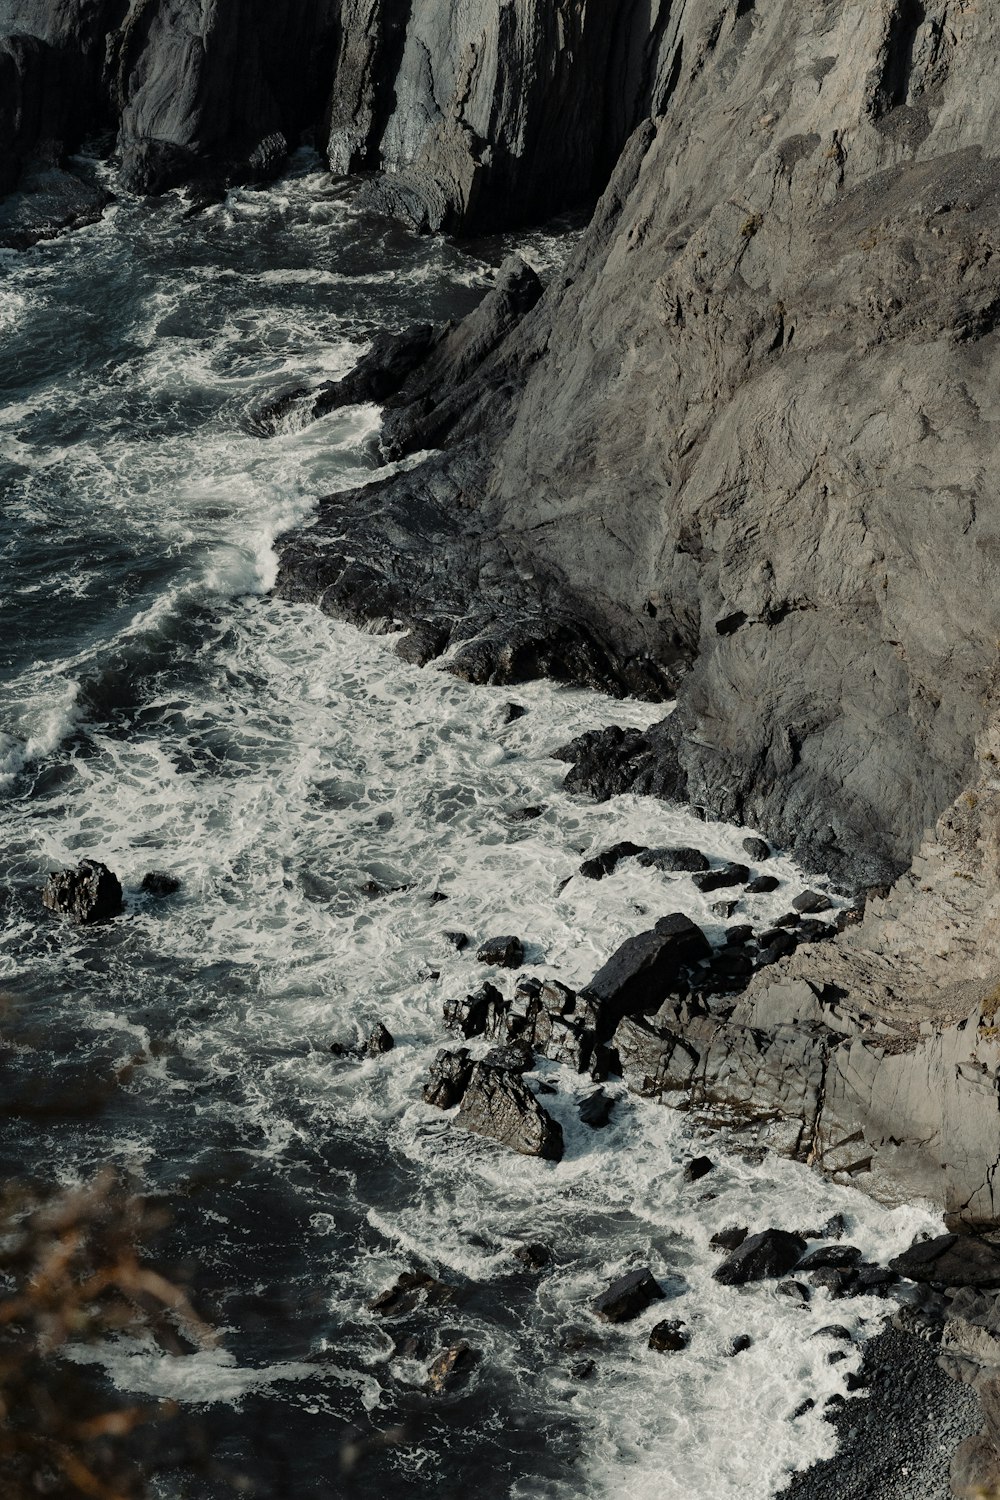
(160, 711)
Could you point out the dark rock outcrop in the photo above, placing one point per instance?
(502, 952)
(497, 1103)
(629, 1296)
(772, 1253)
(90, 893)
(669, 1337)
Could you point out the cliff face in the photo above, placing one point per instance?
(478, 113)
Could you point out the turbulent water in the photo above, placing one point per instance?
(160, 711)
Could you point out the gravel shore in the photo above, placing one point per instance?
(897, 1439)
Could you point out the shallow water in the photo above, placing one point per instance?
(160, 711)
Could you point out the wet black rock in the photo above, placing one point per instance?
(739, 936)
(699, 1167)
(535, 1256)
(951, 1260)
(728, 1239)
(874, 1281)
(469, 1014)
(640, 973)
(758, 849)
(380, 1042)
(803, 1407)
(669, 860)
(595, 1109)
(408, 1291)
(511, 712)
(834, 1331)
(811, 931)
(90, 893)
(772, 1253)
(608, 860)
(739, 1344)
(452, 1366)
(762, 885)
(498, 1104)
(834, 1282)
(503, 952)
(795, 1291)
(842, 1257)
(721, 879)
(669, 1337)
(158, 883)
(812, 901)
(629, 1296)
(449, 1076)
(458, 940)
(611, 761)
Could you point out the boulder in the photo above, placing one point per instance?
(669, 860)
(498, 1104)
(698, 1168)
(721, 879)
(502, 952)
(669, 1337)
(595, 1109)
(629, 1296)
(158, 883)
(758, 849)
(469, 1014)
(380, 1041)
(812, 901)
(841, 1257)
(638, 975)
(608, 860)
(772, 1253)
(762, 885)
(90, 893)
(449, 1077)
(515, 1057)
(950, 1260)
(728, 1239)
(458, 940)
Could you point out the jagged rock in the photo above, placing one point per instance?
(90, 893)
(502, 952)
(380, 1041)
(698, 1168)
(772, 1253)
(608, 860)
(496, 1103)
(449, 1077)
(669, 1337)
(674, 859)
(629, 1296)
(470, 1014)
(515, 1057)
(452, 1366)
(728, 1239)
(758, 849)
(641, 971)
(950, 1260)
(408, 1291)
(717, 880)
(158, 883)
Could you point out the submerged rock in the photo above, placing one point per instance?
(608, 860)
(90, 893)
(159, 883)
(408, 1291)
(452, 1366)
(698, 1168)
(629, 1296)
(535, 1256)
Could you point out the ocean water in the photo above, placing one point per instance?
(161, 711)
